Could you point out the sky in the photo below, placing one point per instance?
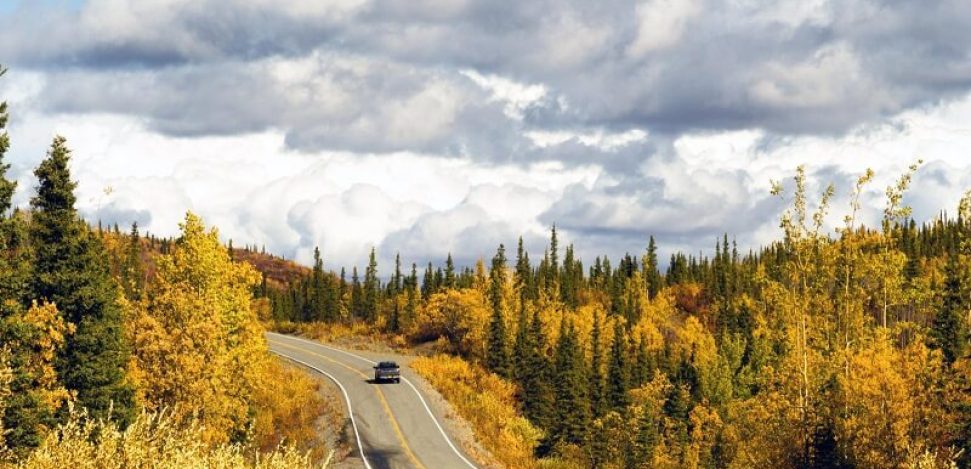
(434, 126)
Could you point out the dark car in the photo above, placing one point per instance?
(387, 371)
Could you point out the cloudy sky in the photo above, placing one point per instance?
(429, 126)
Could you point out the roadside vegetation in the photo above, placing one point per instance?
(819, 350)
(114, 354)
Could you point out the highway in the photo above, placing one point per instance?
(393, 425)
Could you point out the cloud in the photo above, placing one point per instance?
(452, 125)
(792, 68)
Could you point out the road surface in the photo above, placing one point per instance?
(393, 425)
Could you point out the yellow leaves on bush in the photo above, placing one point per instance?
(156, 440)
(199, 347)
(488, 403)
(287, 413)
(460, 316)
(884, 396)
(44, 333)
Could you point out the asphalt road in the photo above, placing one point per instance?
(393, 425)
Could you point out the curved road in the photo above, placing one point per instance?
(392, 423)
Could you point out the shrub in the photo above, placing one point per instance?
(488, 403)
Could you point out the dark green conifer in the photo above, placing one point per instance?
(569, 382)
(71, 270)
(949, 331)
(449, 272)
(598, 397)
(371, 288)
(497, 358)
(618, 374)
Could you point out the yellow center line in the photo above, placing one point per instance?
(384, 401)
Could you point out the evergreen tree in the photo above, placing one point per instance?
(497, 358)
(552, 276)
(652, 275)
(317, 288)
(7, 187)
(536, 377)
(357, 296)
(396, 280)
(449, 272)
(71, 271)
(598, 397)
(570, 381)
(618, 375)
(428, 283)
(371, 288)
(132, 272)
(949, 331)
(523, 274)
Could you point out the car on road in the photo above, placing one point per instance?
(387, 371)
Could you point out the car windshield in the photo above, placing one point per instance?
(387, 365)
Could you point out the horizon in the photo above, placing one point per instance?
(293, 127)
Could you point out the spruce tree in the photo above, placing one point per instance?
(25, 411)
(428, 282)
(598, 397)
(449, 272)
(71, 270)
(497, 358)
(949, 331)
(7, 187)
(371, 288)
(570, 380)
(317, 290)
(357, 296)
(523, 274)
(618, 375)
(132, 273)
(536, 376)
(652, 275)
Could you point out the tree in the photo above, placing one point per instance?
(535, 376)
(7, 187)
(652, 275)
(371, 288)
(449, 272)
(132, 272)
(598, 397)
(618, 374)
(497, 357)
(949, 332)
(71, 271)
(199, 348)
(33, 340)
(569, 381)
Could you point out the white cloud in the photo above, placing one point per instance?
(661, 23)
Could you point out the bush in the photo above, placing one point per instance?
(154, 440)
(488, 403)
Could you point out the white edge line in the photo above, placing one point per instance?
(347, 399)
(413, 388)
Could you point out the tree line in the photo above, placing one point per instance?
(99, 335)
(814, 351)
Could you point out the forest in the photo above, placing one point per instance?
(845, 349)
(112, 355)
(818, 350)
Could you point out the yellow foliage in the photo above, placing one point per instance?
(49, 333)
(488, 403)
(156, 440)
(287, 414)
(460, 316)
(6, 377)
(886, 404)
(199, 348)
